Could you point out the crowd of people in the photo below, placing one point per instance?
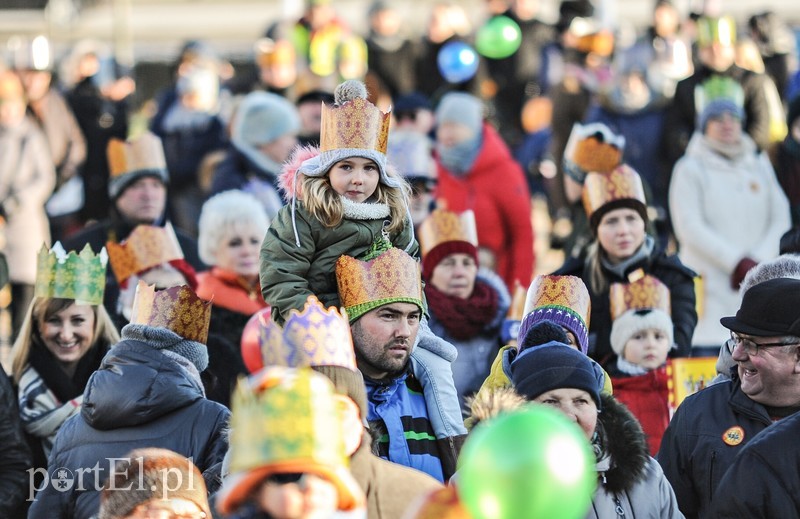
(298, 294)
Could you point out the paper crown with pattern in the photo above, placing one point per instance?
(146, 247)
(176, 308)
(592, 147)
(564, 300)
(285, 421)
(718, 88)
(444, 226)
(311, 337)
(129, 160)
(392, 277)
(355, 124)
(81, 277)
(622, 184)
(646, 292)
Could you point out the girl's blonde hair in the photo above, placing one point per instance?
(598, 281)
(325, 204)
(39, 311)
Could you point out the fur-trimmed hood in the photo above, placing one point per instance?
(287, 180)
(625, 447)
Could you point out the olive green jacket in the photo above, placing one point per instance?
(298, 258)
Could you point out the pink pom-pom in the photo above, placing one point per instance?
(286, 181)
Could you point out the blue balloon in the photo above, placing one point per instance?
(458, 62)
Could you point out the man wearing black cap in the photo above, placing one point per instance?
(711, 427)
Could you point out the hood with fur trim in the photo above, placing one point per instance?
(625, 445)
(287, 181)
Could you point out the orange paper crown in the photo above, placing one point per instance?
(443, 226)
(593, 147)
(313, 337)
(177, 309)
(355, 124)
(393, 276)
(142, 154)
(559, 291)
(146, 247)
(645, 293)
(623, 183)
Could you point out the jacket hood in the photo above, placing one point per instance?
(135, 385)
(287, 181)
(625, 444)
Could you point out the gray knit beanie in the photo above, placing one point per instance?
(462, 108)
(261, 118)
(164, 339)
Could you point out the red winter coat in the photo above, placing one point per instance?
(496, 190)
(646, 397)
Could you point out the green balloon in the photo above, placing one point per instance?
(529, 464)
(498, 38)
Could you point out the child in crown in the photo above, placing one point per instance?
(343, 198)
(641, 336)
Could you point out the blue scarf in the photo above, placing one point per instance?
(459, 158)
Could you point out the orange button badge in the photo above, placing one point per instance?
(733, 436)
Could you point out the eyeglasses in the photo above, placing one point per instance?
(750, 347)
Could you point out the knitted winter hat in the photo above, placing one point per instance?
(462, 108)
(443, 233)
(263, 117)
(540, 333)
(352, 127)
(151, 474)
(563, 300)
(165, 339)
(717, 108)
(634, 321)
(554, 366)
(130, 160)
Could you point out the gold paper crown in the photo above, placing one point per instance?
(355, 124)
(146, 247)
(143, 154)
(176, 308)
(393, 276)
(559, 291)
(81, 277)
(645, 293)
(313, 337)
(443, 226)
(286, 421)
(621, 184)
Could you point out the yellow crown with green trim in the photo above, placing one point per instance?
(355, 124)
(392, 277)
(718, 88)
(176, 308)
(712, 30)
(311, 337)
(283, 418)
(81, 277)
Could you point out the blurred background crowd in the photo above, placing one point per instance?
(538, 67)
